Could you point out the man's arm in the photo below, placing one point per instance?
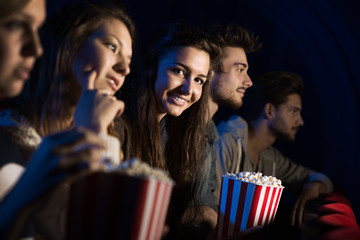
(301, 180)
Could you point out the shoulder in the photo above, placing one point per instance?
(235, 124)
(18, 129)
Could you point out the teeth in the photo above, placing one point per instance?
(179, 99)
(111, 81)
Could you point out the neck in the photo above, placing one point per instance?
(213, 107)
(161, 116)
(259, 138)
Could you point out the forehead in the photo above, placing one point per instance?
(234, 54)
(197, 60)
(35, 11)
(293, 100)
(117, 29)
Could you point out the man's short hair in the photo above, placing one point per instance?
(233, 35)
(270, 87)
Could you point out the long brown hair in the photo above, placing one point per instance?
(184, 153)
(51, 95)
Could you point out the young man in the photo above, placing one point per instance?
(272, 110)
(227, 88)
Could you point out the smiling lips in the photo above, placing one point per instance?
(23, 72)
(241, 90)
(114, 82)
(178, 100)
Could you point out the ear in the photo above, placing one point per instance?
(269, 111)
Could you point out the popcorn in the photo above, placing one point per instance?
(135, 167)
(256, 178)
(247, 199)
(129, 201)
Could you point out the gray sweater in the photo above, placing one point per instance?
(233, 157)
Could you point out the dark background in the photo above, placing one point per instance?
(319, 40)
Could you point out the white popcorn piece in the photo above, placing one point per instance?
(135, 167)
(256, 178)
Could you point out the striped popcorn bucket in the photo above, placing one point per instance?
(244, 205)
(117, 206)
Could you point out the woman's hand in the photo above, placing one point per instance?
(96, 108)
(60, 156)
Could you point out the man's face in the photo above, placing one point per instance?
(228, 87)
(287, 118)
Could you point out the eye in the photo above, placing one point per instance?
(199, 80)
(293, 111)
(179, 71)
(112, 47)
(14, 25)
(240, 70)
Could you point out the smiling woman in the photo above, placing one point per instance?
(180, 79)
(167, 113)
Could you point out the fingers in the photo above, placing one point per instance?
(297, 214)
(121, 108)
(89, 81)
(76, 146)
(75, 140)
(294, 212)
(88, 157)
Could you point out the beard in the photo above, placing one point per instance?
(224, 101)
(282, 134)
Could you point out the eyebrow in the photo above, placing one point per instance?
(188, 69)
(294, 107)
(238, 63)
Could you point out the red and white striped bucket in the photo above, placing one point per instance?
(117, 206)
(244, 205)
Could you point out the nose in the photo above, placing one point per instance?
(121, 66)
(32, 45)
(300, 121)
(187, 86)
(247, 81)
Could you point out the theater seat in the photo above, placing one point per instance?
(337, 208)
(337, 220)
(342, 234)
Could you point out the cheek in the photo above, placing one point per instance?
(163, 83)
(88, 58)
(159, 88)
(197, 93)
(9, 54)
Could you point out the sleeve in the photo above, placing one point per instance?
(294, 175)
(208, 198)
(316, 176)
(11, 166)
(228, 153)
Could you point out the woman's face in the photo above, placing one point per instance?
(108, 52)
(180, 78)
(19, 46)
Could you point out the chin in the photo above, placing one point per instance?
(175, 114)
(14, 92)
